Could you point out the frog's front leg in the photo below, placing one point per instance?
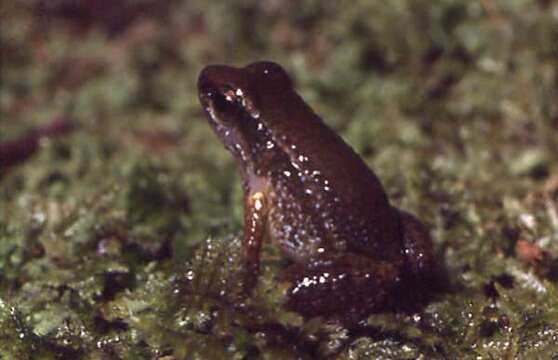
(255, 223)
(350, 284)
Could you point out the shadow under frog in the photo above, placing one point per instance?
(311, 195)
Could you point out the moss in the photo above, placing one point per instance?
(121, 240)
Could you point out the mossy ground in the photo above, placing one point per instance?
(103, 250)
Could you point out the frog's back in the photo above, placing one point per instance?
(342, 198)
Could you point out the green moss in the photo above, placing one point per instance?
(121, 240)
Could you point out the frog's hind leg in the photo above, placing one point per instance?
(417, 244)
(349, 286)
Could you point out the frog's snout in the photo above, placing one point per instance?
(206, 88)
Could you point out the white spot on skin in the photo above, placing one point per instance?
(239, 92)
(190, 275)
(308, 282)
(258, 203)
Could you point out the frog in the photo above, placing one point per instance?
(307, 192)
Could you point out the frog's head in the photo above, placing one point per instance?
(235, 101)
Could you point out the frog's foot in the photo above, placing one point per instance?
(417, 246)
(350, 285)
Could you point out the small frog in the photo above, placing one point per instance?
(311, 195)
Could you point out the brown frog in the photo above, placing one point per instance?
(311, 195)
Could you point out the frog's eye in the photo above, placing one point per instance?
(220, 102)
(229, 107)
(267, 71)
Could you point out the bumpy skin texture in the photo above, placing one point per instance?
(311, 195)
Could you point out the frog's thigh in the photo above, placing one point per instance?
(417, 244)
(345, 284)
